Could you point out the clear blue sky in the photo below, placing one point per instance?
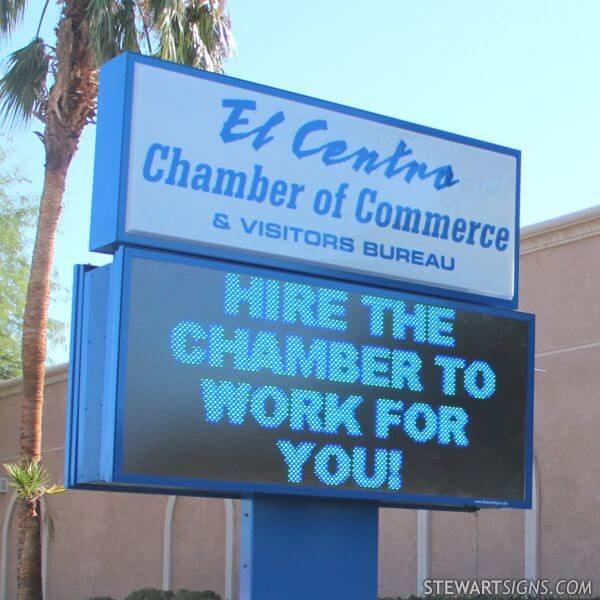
(521, 73)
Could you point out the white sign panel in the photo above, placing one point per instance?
(213, 165)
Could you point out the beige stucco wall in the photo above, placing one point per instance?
(561, 284)
(109, 543)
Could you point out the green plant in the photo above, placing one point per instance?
(150, 594)
(31, 481)
(154, 594)
(190, 595)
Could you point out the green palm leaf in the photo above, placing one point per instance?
(101, 21)
(192, 32)
(126, 30)
(23, 87)
(11, 14)
(31, 481)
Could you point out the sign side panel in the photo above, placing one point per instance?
(84, 406)
(111, 131)
(72, 411)
(529, 450)
(93, 340)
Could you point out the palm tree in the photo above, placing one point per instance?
(57, 85)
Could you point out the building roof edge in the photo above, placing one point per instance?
(562, 230)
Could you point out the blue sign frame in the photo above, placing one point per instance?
(95, 418)
(110, 179)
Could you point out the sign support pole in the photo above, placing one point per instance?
(299, 548)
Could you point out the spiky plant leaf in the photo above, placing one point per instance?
(23, 86)
(27, 478)
(11, 14)
(31, 481)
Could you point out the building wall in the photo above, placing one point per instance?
(112, 543)
(561, 284)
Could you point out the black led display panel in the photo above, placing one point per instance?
(236, 380)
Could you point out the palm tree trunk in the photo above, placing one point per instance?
(29, 575)
(36, 314)
(70, 105)
(58, 159)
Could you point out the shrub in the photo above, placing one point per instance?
(150, 594)
(189, 595)
(154, 594)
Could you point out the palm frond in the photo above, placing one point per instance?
(193, 32)
(27, 478)
(11, 14)
(126, 31)
(168, 23)
(42, 15)
(225, 46)
(102, 29)
(31, 481)
(145, 20)
(153, 8)
(23, 87)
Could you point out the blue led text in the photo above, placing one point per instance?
(334, 465)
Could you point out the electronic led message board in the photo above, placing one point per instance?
(203, 163)
(228, 380)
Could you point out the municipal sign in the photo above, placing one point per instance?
(203, 163)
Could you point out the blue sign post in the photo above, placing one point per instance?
(313, 392)
(308, 548)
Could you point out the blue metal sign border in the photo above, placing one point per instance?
(112, 475)
(110, 179)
